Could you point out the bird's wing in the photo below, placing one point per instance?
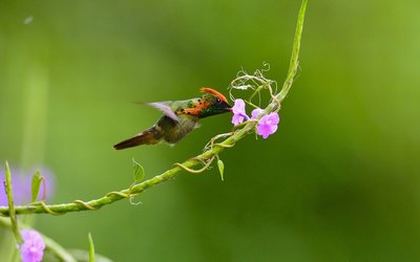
(165, 108)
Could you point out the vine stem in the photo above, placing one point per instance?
(10, 202)
(57, 209)
(294, 59)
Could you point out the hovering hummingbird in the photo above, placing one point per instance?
(179, 119)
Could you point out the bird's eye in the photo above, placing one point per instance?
(218, 100)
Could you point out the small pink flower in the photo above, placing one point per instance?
(239, 113)
(268, 125)
(32, 249)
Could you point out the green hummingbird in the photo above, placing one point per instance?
(179, 118)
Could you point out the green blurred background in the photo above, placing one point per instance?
(338, 182)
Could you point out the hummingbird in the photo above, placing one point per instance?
(179, 118)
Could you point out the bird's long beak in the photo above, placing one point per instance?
(228, 107)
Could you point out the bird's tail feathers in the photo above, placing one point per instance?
(148, 137)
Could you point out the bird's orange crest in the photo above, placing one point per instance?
(216, 93)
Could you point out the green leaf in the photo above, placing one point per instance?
(36, 185)
(138, 171)
(91, 249)
(221, 167)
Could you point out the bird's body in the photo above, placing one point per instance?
(179, 119)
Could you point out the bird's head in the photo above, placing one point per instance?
(213, 102)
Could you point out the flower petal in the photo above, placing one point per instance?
(237, 119)
(239, 106)
(256, 113)
(32, 249)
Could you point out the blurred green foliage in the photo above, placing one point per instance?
(338, 182)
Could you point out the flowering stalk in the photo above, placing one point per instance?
(205, 158)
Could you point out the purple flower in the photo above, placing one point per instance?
(32, 249)
(268, 124)
(22, 186)
(239, 113)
